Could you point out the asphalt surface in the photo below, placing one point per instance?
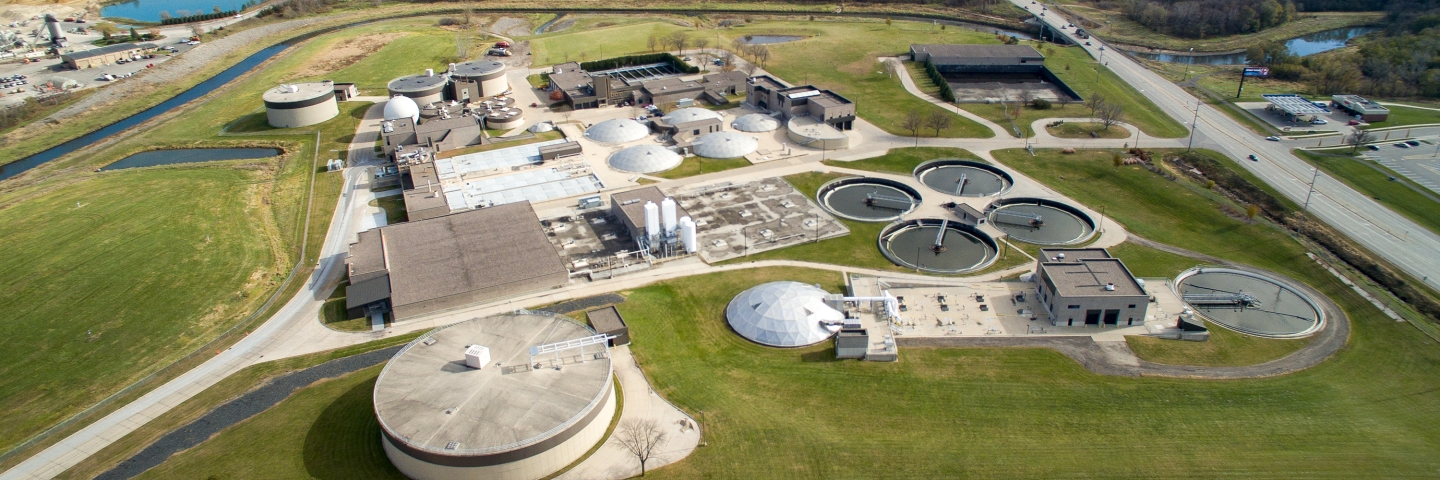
(1386, 233)
(240, 409)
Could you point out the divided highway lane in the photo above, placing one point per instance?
(1388, 234)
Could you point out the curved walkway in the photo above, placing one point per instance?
(909, 83)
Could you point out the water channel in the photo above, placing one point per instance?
(189, 155)
(1301, 46)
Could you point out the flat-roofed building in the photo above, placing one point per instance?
(106, 55)
(1356, 105)
(454, 260)
(771, 95)
(629, 207)
(607, 321)
(1086, 286)
(979, 58)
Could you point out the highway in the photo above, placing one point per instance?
(1386, 233)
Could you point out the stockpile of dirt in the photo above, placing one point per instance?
(346, 53)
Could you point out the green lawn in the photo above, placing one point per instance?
(1077, 69)
(408, 55)
(1363, 176)
(695, 166)
(1146, 262)
(333, 314)
(1400, 116)
(904, 160)
(1087, 130)
(394, 206)
(118, 273)
(581, 45)
(1224, 348)
(841, 56)
(1119, 28)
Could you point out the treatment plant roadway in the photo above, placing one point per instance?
(295, 328)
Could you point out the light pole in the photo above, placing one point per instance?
(1194, 124)
(1189, 61)
(1306, 208)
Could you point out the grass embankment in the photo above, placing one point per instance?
(411, 54)
(1224, 348)
(1078, 70)
(1146, 262)
(755, 400)
(1374, 181)
(903, 161)
(1401, 116)
(693, 166)
(1119, 29)
(582, 45)
(225, 390)
(1087, 130)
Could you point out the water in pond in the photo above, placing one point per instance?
(189, 155)
(149, 10)
(868, 201)
(1055, 226)
(978, 182)
(1275, 310)
(912, 246)
(1302, 46)
(768, 39)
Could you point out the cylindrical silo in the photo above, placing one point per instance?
(300, 104)
(687, 234)
(652, 220)
(667, 215)
(423, 89)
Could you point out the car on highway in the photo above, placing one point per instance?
(1413, 143)
(1402, 145)
(1273, 138)
(1087, 43)
(1254, 158)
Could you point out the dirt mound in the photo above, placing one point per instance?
(346, 53)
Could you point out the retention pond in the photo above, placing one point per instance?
(189, 155)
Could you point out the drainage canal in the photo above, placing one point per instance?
(937, 246)
(189, 155)
(1040, 221)
(868, 199)
(965, 178)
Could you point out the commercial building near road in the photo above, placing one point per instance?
(1356, 105)
(424, 266)
(106, 55)
(1086, 286)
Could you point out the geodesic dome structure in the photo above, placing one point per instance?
(782, 314)
(686, 115)
(645, 159)
(725, 145)
(755, 123)
(617, 130)
(400, 106)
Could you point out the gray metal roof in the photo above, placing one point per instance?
(725, 145)
(617, 130)
(687, 115)
(1292, 104)
(755, 123)
(645, 159)
(782, 314)
(105, 50)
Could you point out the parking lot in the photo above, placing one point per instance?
(1419, 162)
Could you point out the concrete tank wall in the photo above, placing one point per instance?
(494, 86)
(509, 123)
(530, 468)
(303, 116)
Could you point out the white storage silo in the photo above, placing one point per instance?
(652, 220)
(667, 215)
(687, 234)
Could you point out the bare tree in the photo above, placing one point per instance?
(701, 43)
(1094, 103)
(1110, 114)
(651, 42)
(680, 40)
(641, 438)
(892, 68)
(938, 120)
(1359, 138)
(913, 122)
(762, 54)
(728, 61)
(750, 68)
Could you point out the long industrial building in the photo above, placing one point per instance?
(474, 256)
(510, 397)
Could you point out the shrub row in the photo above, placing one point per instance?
(198, 18)
(935, 76)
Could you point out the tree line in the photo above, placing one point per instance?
(1403, 60)
(1209, 18)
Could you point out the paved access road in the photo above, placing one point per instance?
(1378, 228)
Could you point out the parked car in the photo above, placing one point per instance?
(1273, 138)
(1318, 121)
(1353, 123)
(502, 44)
(1254, 158)
(1412, 143)
(1402, 145)
(1373, 147)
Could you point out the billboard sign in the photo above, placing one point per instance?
(1257, 71)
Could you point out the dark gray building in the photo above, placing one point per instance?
(607, 321)
(1086, 286)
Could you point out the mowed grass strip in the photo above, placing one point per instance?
(598, 43)
(693, 166)
(114, 275)
(902, 161)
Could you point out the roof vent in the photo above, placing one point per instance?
(1060, 256)
(429, 72)
(452, 445)
(477, 356)
(1109, 287)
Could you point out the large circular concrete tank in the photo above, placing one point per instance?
(300, 104)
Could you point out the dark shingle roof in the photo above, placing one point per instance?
(980, 54)
(606, 319)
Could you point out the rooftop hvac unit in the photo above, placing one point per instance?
(667, 215)
(1109, 287)
(652, 220)
(477, 356)
(429, 72)
(293, 88)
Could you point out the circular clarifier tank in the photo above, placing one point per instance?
(979, 180)
(920, 244)
(1040, 221)
(1249, 302)
(868, 199)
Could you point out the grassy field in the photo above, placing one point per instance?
(1146, 262)
(1224, 348)
(904, 160)
(1078, 70)
(695, 166)
(1087, 130)
(580, 45)
(407, 55)
(1400, 197)
(1401, 116)
(118, 272)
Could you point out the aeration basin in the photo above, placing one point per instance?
(964, 178)
(920, 244)
(1249, 302)
(868, 199)
(1040, 221)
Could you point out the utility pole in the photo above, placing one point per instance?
(1189, 61)
(1306, 208)
(1194, 124)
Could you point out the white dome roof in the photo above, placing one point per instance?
(644, 159)
(399, 107)
(725, 145)
(618, 130)
(691, 114)
(542, 127)
(755, 122)
(782, 314)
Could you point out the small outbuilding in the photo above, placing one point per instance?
(607, 321)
